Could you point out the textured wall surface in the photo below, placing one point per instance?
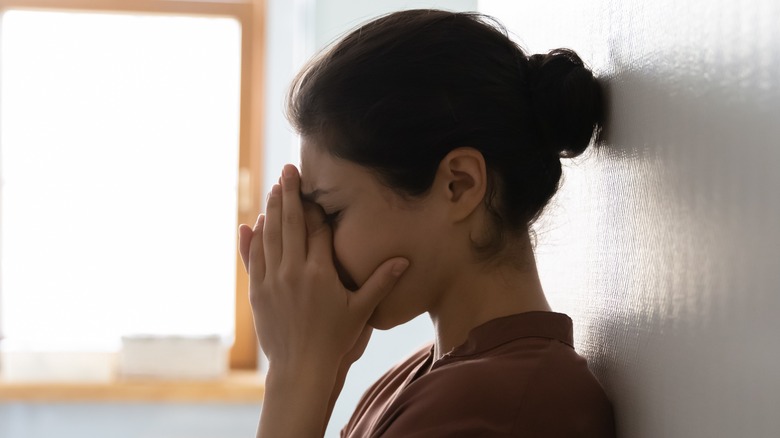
(664, 245)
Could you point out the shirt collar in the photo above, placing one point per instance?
(536, 324)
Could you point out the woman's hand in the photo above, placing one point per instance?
(302, 311)
(309, 325)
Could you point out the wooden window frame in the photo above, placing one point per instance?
(250, 14)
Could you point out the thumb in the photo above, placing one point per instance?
(379, 284)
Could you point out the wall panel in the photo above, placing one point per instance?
(663, 244)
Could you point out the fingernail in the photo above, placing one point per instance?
(276, 189)
(399, 267)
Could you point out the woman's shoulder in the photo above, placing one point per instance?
(521, 361)
(523, 371)
(510, 373)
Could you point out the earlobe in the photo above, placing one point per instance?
(464, 171)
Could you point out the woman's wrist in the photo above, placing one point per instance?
(297, 398)
(310, 374)
(309, 365)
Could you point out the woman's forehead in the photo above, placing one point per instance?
(321, 171)
(316, 166)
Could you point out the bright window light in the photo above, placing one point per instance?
(119, 152)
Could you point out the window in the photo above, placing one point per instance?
(129, 146)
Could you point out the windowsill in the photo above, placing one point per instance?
(238, 387)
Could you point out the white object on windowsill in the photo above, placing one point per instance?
(173, 357)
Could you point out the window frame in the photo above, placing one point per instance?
(250, 14)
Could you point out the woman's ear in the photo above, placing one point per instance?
(462, 178)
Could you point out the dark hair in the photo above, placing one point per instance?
(400, 92)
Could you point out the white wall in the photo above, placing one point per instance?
(664, 246)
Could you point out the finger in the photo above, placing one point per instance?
(293, 226)
(318, 235)
(259, 223)
(255, 264)
(378, 285)
(272, 230)
(245, 234)
(244, 240)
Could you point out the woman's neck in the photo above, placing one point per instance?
(479, 294)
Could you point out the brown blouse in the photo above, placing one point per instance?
(516, 376)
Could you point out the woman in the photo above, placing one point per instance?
(430, 143)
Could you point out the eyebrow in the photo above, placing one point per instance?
(314, 195)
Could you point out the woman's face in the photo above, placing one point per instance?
(372, 224)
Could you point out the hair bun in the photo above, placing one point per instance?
(567, 101)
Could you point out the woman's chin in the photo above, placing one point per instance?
(379, 323)
(384, 319)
